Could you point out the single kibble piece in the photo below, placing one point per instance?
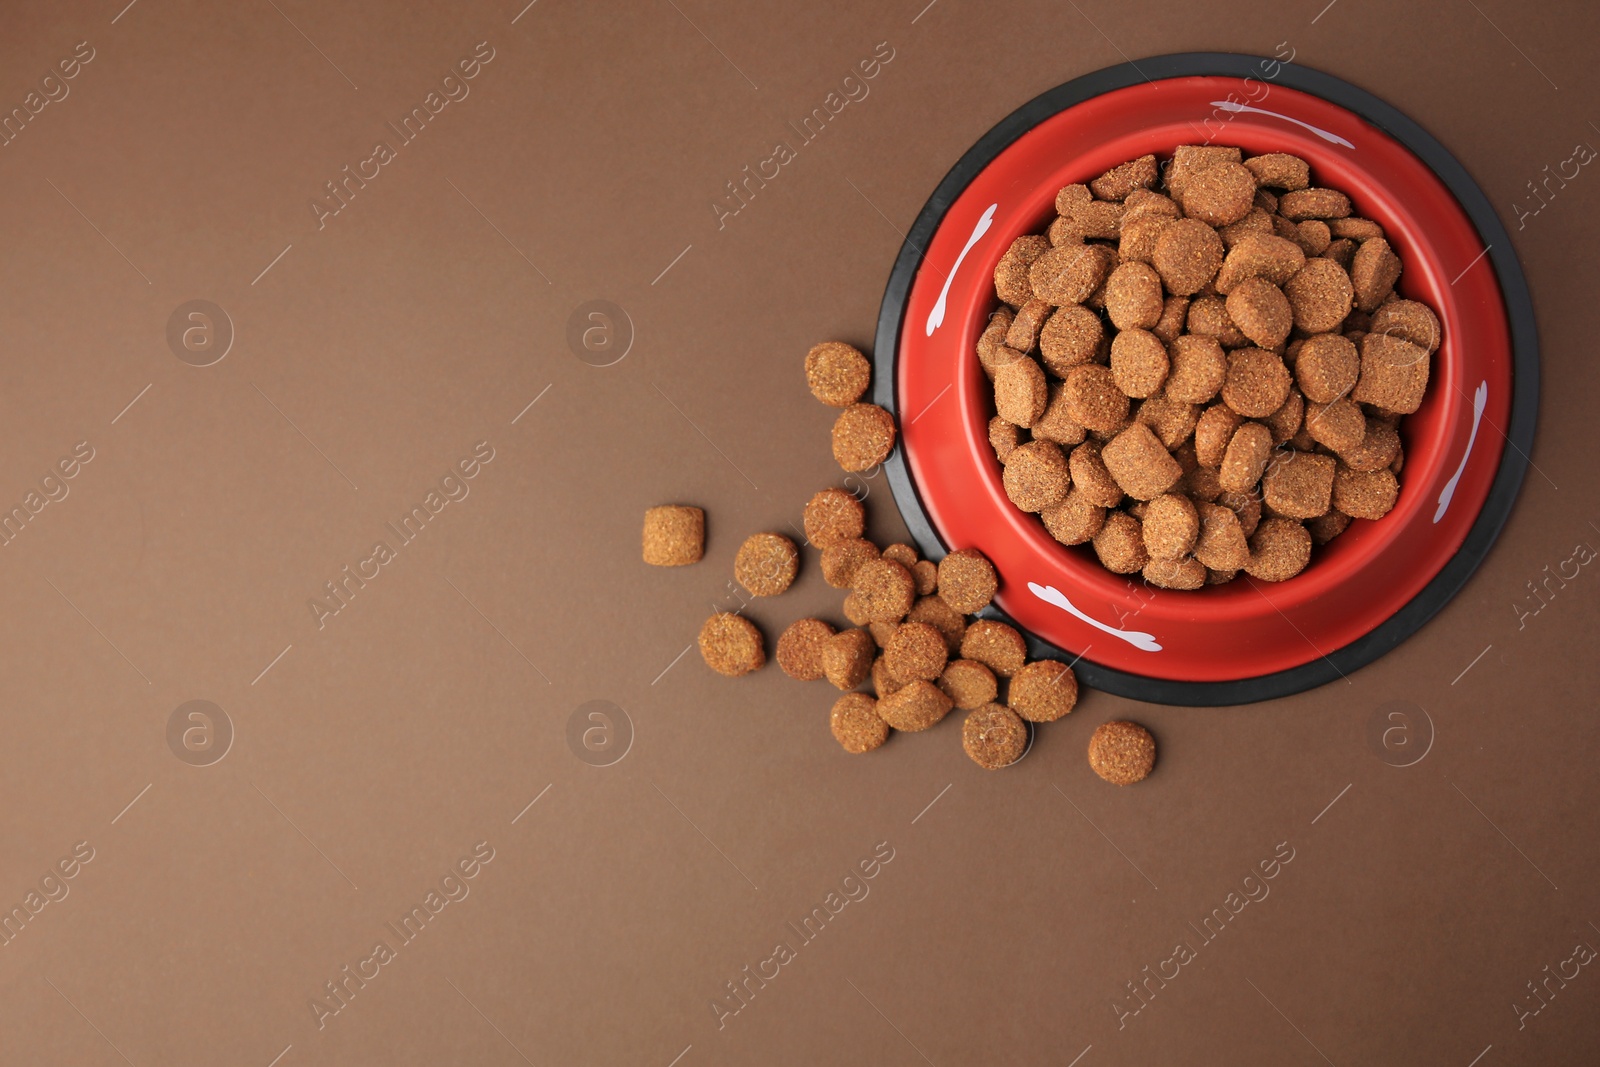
(1134, 300)
(916, 651)
(1221, 544)
(1070, 273)
(880, 631)
(1090, 477)
(731, 645)
(863, 436)
(915, 706)
(856, 724)
(926, 575)
(1326, 367)
(674, 535)
(847, 658)
(799, 652)
(1208, 317)
(1358, 229)
(841, 560)
(1379, 447)
(1185, 572)
(831, 516)
(951, 624)
(1279, 170)
(886, 589)
(1004, 436)
(1246, 505)
(855, 609)
(1327, 526)
(1187, 255)
(1299, 484)
(1020, 392)
(1174, 311)
(837, 373)
(1036, 475)
(1288, 419)
(1261, 312)
(766, 564)
(1409, 321)
(1198, 368)
(1341, 251)
(1394, 373)
(1212, 432)
(1256, 223)
(1083, 217)
(1025, 325)
(1120, 544)
(1137, 242)
(1339, 426)
(1273, 259)
(1070, 338)
(998, 357)
(1257, 382)
(1011, 273)
(1146, 202)
(1140, 463)
(1043, 691)
(1093, 399)
(1119, 181)
(967, 580)
(1219, 194)
(1122, 752)
(1313, 204)
(883, 680)
(1365, 494)
(1320, 295)
(1373, 271)
(1312, 236)
(1138, 362)
(1075, 520)
(1202, 485)
(1057, 424)
(995, 645)
(993, 337)
(994, 737)
(904, 555)
(1188, 158)
(1245, 458)
(968, 684)
(1279, 549)
(1170, 527)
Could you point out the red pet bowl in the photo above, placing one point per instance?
(1368, 589)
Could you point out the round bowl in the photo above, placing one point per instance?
(1465, 449)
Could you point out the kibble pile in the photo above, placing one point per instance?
(912, 652)
(1206, 379)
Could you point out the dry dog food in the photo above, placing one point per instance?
(911, 636)
(837, 373)
(856, 723)
(833, 515)
(766, 564)
(799, 652)
(994, 736)
(674, 535)
(1191, 347)
(731, 645)
(863, 436)
(1122, 752)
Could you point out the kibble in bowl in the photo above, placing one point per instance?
(1229, 625)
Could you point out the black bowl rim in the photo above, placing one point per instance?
(1338, 663)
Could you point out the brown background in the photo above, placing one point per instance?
(425, 716)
